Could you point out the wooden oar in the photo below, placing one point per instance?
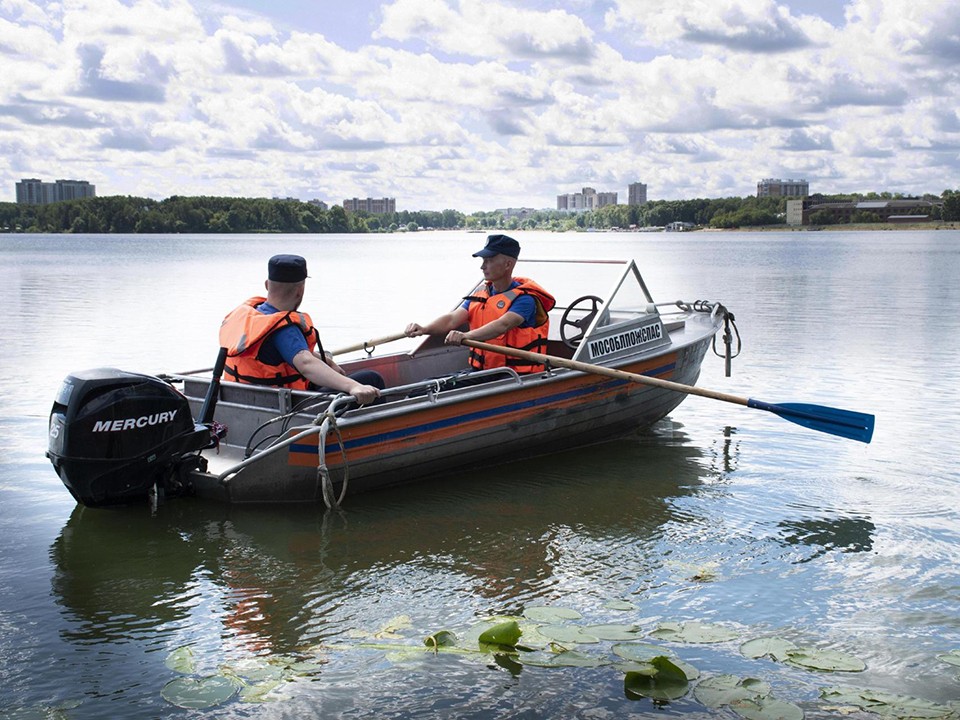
(370, 343)
(350, 348)
(844, 423)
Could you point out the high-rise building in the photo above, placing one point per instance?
(32, 191)
(775, 187)
(374, 206)
(637, 193)
(586, 199)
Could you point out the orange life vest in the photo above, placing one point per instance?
(485, 307)
(243, 332)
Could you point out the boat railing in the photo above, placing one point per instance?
(334, 406)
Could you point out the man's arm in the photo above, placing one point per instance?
(493, 329)
(322, 375)
(440, 326)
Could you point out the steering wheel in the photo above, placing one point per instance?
(573, 339)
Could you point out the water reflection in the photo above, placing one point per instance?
(277, 578)
(823, 535)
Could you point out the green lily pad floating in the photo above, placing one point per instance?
(533, 639)
(639, 652)
(886, 704)
(693, 632)
(611, 631)
(550, 614)
(568, 658)
(624, 605)
(439, 639)
(181, 660)
(199, 693)
(952, 657)
(392, 628)
(766, 709)
(689, 670)
(260, 692)
(776, 648)
(720, 690)
(504, 633)
(825, 660)
(669, 682)
(567, 634)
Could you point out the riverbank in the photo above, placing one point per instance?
(847, 227)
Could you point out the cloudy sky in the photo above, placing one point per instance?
(479, 104)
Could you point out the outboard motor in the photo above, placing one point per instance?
(115, 435)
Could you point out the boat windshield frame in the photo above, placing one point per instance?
(627, 282)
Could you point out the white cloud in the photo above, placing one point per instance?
(475, 105)
(742, 25)
(486, 29)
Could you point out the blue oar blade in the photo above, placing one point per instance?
(843, 423)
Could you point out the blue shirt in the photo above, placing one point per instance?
(281, 345)
(523, 305)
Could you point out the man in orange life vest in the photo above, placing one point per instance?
(269, 343)
(503, 310)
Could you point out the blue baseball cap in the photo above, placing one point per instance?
(499, 245)
(287, 268)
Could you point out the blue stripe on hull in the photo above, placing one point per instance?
(479, 415)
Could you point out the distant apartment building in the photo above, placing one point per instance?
(774, 187)
(32, 191)
(799, 212)
(374, 206)
(320, 204)
(520, 213)
(637, 193)
(586, 199)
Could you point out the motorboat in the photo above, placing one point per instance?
(119, 437)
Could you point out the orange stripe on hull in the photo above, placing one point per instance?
(437, 423)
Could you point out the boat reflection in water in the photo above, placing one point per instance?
(276, 578)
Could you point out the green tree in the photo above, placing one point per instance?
(951, 205)
(337, 220)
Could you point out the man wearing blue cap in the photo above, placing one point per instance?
(503, 310)
(270, 343)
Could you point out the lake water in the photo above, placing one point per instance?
(720, 515)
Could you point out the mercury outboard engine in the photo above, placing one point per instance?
(115, 436)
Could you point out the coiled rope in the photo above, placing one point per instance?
(730, 329)
(324, 480)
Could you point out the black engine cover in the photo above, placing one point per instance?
(114, 435)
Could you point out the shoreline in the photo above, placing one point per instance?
(847, 227)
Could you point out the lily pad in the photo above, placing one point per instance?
(639, 652)
(550, 614)
(826, 660)
(611, 631)
(693, 632)
(181, 660)
(887, 704)
(199, 693)
(720, 690)
(439, 639)
(567, 634)
(689, 670)
(568, 658)
(668, 683)
(624, 605)
(952, 657)
(776, 648)
(504, 633)
(392, 628)
(766, 709)
(259, 692)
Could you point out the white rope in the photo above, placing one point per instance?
(323, 472)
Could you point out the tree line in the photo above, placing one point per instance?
(209, 214)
